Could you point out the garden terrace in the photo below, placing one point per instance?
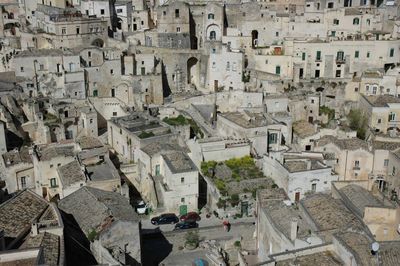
(235, 176)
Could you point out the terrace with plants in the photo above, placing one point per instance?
(235, 177)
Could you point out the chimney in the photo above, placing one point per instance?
(309, 164)
(34, 229)
(293, 229)
(2, 240)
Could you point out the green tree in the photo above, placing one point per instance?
(358, 121)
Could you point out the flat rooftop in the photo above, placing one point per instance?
(159, 147)
(293, 165)
(101, 172)
(246, 120)
(179, 162)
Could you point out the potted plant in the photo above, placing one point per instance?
(192, 240)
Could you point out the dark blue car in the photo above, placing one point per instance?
(186, 225)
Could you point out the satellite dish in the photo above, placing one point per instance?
(375, 247)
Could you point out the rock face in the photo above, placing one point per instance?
(223, 172)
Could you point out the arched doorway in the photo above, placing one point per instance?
(98, 43)
(193, 71)
(254, 39)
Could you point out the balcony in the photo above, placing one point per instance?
(340, 60)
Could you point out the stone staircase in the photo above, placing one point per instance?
(207, 129)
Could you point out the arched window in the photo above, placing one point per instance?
(213, 35)
(368, 22)
(211, 16)
(356, 21)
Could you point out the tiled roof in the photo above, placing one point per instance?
(16, 157)
(321, 259)
(50, 245)
(179, 162)
(17, 214)
(86, 142)
(91, 207)
(52, 151)
(344, 144)
(329, 213)
(71, 173)
(361, 198)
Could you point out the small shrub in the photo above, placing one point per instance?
(192, 238)
(234, 200)
(145, 135)
(92, 235)
(237, 244)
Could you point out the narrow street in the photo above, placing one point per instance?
(170, 243)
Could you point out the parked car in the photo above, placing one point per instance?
(141, 207)
(191, 217)
(186, 225)
(166, 218)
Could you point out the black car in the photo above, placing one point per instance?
(167, 218)
(186, 225)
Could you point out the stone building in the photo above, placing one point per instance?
(351, 158)
(113, 222)
(30, 222)
(299, 174)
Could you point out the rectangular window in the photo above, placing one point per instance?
(357, 164)
(303, 56)
(182, 180)
(78, 30)
(313, 187)
(63, 31)
(356, 54)
(386, 162)
(340, 56)
(114, 113)
(53, 182)
(368, 54)
(278, 70)
(119, 10)
(393, 170)
(272, 138)
(277, 34)
(392, 117)
(158, 169)
(22, 69)
(102, 11)
(177, 13)
(183, 200)
(178, 29)
(338, 73)
(23, 182)
(391, 54)
(318, 57)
